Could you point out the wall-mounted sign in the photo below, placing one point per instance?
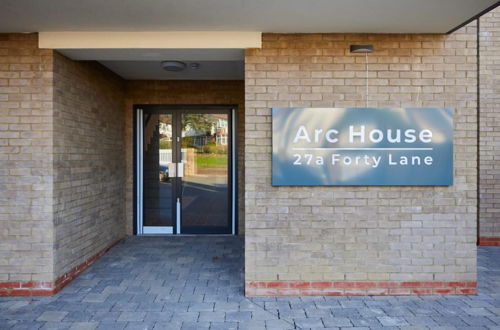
(362, 146)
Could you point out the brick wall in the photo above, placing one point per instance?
(359, 240)
(26, 233)
(489, 139)
(89, 159)
(62, 169)
(183, 92)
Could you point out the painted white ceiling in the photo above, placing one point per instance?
(377, 16)
(151, 70)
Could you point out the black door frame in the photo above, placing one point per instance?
(176, 111)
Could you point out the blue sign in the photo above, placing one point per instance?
(362, 147)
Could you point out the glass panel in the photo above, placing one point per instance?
(205, 200)
(157, 153)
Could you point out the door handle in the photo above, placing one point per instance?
(172, 170)
(180, 170)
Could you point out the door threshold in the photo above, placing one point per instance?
(185, 235)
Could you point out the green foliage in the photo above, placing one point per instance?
(199, 122)
(211, 160)
(165, 144)
(212, 148)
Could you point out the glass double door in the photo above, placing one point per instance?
(185, 158)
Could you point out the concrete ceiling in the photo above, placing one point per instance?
(145, 64)
(372, 16)
(154, 54)
(151, 70)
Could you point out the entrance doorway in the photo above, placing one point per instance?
(185, 170)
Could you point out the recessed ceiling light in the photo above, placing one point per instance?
(173, 65)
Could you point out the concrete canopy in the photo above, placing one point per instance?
(287, 16)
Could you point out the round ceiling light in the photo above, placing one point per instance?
(173, 65)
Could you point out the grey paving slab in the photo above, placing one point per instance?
(106, 325)
(52, 316)
(132, 316)
(176, 283)
(84, 326)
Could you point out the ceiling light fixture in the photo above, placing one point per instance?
(361, 48)
(173, 66)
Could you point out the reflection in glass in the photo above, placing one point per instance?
(204, 150)
(157, 150)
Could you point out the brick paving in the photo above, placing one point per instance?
(197, 283)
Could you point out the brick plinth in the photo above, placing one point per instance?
(356, 288)
(489, 241)
(49, 288)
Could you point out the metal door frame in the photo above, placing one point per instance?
(176, 111)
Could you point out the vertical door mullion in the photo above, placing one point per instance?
(140, 178)
(232, 171)
(177, 119)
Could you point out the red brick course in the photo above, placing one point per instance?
(354, 288)
(489, 241)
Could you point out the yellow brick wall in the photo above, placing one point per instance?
(489, 139)
(89, 158)
(360, 233)
(26, 156)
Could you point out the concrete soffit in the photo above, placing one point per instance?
(150, 40)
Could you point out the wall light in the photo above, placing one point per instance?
(361, 48)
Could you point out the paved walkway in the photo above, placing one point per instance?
(196, 283)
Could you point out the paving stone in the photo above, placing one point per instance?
(195, 325)
(421, 321)
(84, 326)
(238, 316)
(307, 323)
(392, 321)
(473, 320)
(225, 326)
(449, 321)
(21, 325)
(124, 306)
(336, 322)
(315, 312)
(52, 316)
(158, 316)
(56, 325)
(201, 307)
(226, 306)
(132, 316)
(106, 325)
(263, 315)
(78, 316)
(186, 316)
(360, 322)
(212, 317)
(7, 324)
(150, 307)
(139, 326)
(105, 316)
(279, 324)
